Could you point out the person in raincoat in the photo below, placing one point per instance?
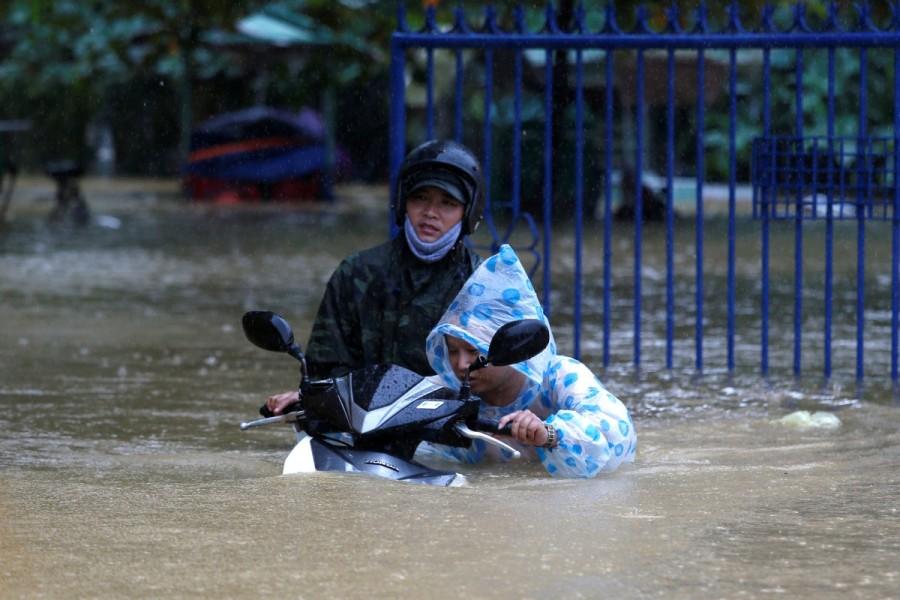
(555, 404)
(380, 303)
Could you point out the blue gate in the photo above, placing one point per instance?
(827, 164)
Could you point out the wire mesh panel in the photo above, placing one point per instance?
(818, 177)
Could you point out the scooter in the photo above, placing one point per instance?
(371, 420)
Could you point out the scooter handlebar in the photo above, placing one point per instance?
(288, 417)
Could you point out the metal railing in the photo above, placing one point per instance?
(596, 37)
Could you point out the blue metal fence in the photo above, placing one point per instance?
(805, 170)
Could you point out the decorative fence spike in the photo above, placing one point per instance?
(673, 19)
(519, 18)
(579, 19)
(800, 23)
(490, 20)
(641, 17)
(767, 24)
(460, 25)
(700, 25)
(401, 18)
(832, 23)
(430, 24)
(610, 25)
(864, 22)
(734, 19)
(550, 24)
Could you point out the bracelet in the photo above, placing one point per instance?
(551, 437)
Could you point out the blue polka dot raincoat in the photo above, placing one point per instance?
(595, 431)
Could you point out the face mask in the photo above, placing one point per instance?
(431, 251)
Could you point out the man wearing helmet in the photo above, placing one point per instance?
(381, 303)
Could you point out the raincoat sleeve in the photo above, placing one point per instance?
(595, 431)
(335, 338)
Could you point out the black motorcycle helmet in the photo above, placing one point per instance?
(446, 165)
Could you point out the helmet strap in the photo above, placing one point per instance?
(430, 251)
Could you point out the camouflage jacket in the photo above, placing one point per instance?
(379, 306)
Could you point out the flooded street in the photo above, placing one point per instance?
(124, 374)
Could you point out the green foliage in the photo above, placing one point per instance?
(151, 68)
(879, 115)
(71, 63)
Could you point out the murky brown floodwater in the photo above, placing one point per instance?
(123, 375)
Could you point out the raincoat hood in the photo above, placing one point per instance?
(499, 291)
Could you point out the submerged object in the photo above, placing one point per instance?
(803, 419)
(259, 153)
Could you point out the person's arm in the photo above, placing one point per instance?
(594, 430)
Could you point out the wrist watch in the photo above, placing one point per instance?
(551, 437)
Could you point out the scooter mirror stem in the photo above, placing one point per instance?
(480, 363)
(295, 351)
(464, 390)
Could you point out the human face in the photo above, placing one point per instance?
(491, 383)
(432, 212)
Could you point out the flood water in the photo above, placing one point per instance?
(124, 375)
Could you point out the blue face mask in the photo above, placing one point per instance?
(430, 251)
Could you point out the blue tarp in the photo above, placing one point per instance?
(261, 166)
(259, 144)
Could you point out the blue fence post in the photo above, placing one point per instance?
(732, 167)
(397, 133)
(548, 175)
(459, 27)
(579, 198)
(517, 126)
(829, 215)
(638, 202)
(488, 139)
(429, 99)
(457, 95)
(766, 199)
(431, 27)
(798, 215)
(607, 204)
(698, 292)
(895, 221)
(862, 185)
(670, 193)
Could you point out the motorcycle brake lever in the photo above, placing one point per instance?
(464, 431)
(291, 417)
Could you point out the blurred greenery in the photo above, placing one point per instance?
(146, 71)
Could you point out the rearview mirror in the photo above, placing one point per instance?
(270, 331)
(517, 341)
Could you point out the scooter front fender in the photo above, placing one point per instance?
(311, 455)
